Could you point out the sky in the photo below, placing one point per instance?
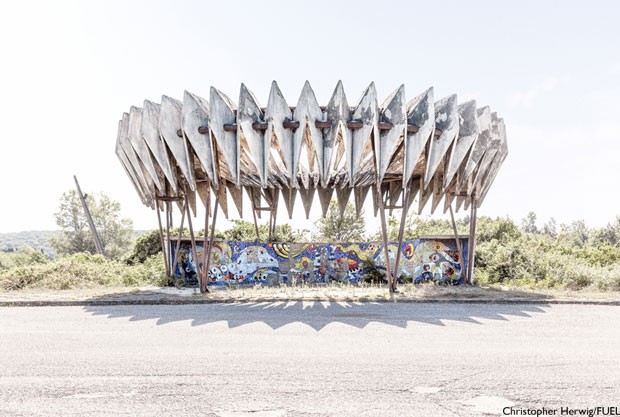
(550, 69)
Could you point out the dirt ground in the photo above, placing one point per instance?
(406, 293)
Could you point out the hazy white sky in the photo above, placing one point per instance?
(550, 69)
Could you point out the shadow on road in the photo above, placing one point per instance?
(318, 314)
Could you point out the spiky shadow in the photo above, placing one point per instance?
(318, 314)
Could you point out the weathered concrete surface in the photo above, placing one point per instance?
(306, 359)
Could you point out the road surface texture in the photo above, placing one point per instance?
(307, 359)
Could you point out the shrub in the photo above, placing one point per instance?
(146, 245)
(83, 270)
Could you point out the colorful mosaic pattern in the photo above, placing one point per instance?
(232, 262)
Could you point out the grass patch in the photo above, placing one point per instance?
(81, 270)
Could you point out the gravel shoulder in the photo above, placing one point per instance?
(407, 293)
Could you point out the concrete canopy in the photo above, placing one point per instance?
(439, 150)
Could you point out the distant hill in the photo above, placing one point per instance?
(36, 239)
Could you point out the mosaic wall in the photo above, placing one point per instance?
(422, 260)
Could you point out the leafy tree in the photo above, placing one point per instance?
(608, 235)
(528, 224)
(336, 228)
(500, 229)
(551, 228)
(115, 232)
(145, 246)
(243, 230)
(416, 226)
(575, 234)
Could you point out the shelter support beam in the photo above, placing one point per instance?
(401, 234)
(204, 276)
(162, 241)
(254, 214)
(208, 248)
(458, 244)
(388, 273)
(192, 236)
(176, 252)
(472, 241)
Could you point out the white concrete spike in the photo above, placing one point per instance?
(249, 112)
(307, 195)
(170, 122)
(120, 153)
(307, 113)
(366, 111)
(139, 145)
(202, 190)
(479, 146)
(222, 198)
(195, 114)
(466, 203)
(421, 113)
(468, 133)
(438, 193)
(325, 197)
(415, 188)
(127, 166)
(343, 195)
(133, 158)
(129, 171)
(490, 177)
(360, 194)
(276, 113)
(237, 197)
(338, 113)
(498, 160)
(254, 194)
(393, 111)
(487, 159)
(459, 203)
(289, 195)
(425, 194)
(447, 121)
(191, 200)
(221, 111)
(150, 132)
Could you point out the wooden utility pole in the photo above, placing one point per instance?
(93, 229)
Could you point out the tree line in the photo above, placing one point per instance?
(552, 255)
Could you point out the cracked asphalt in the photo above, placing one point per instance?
(306, 358)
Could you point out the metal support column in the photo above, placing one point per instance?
(161, 239)
(388, 273)
(211, 238)
(401, 233)
(458, 245)
(168, 226)
(204, 274)
(176, 252)
(254, 214)
(192, 238)
(472, 241)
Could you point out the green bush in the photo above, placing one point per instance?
(83, 270)
(24, 256)
(145, 246)
(506, 255)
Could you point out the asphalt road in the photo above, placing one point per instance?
(307, 359)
